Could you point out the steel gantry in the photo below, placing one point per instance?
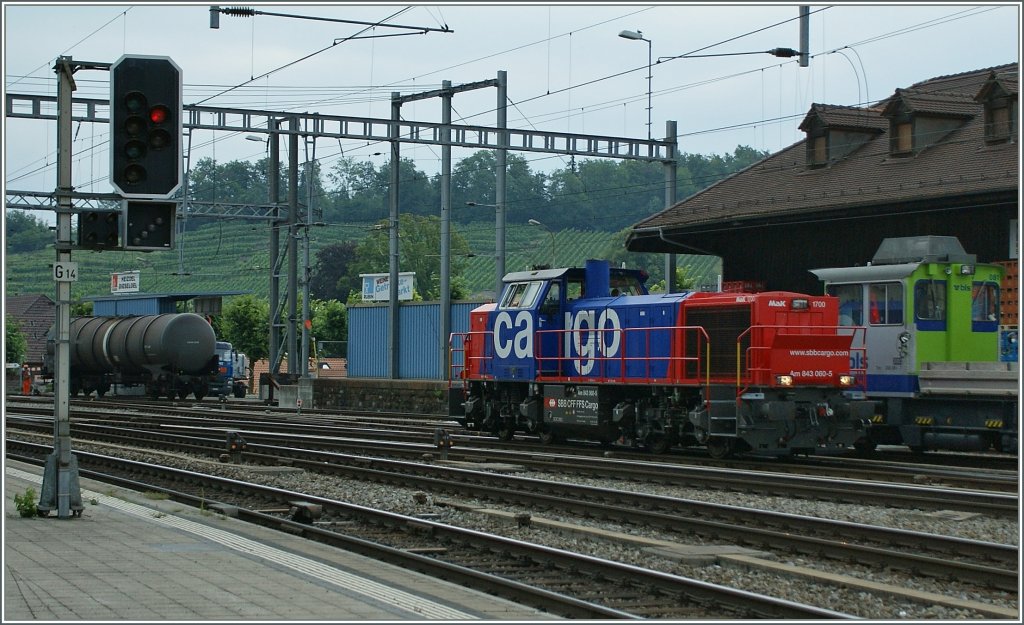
(285, 215)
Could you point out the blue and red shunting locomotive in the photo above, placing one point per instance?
(587, 353)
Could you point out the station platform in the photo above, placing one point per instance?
(135, 559)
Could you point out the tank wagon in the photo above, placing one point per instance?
(172, 355)
(931, 318)
(588, 353)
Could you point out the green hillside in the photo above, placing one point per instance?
(234, 256)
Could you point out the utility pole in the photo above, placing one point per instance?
(500, 192)
(60, 489)
(393, 312)
(446, 227)
(293, 254)
(446, 92)
(671, 171)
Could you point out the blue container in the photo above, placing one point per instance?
(419, 339)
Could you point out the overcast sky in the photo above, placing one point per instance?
(568, 70)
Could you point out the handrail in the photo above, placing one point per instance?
(551, 367)
(749, 370)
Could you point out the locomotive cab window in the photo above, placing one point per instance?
(930, 304)
(885, 304)
(984, 307)
(625, 285)
(574, 290)
(851, 303)
(552, 303)
(521, 295)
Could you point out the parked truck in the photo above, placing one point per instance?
(232, 372)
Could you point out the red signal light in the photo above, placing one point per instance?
(158, 114)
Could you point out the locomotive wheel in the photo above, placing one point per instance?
(720, 448)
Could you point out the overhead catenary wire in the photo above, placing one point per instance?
(570, 112)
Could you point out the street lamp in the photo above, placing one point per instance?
(534, 222)
(499, 245)
(638, 35)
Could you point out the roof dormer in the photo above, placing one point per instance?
(833, 132)
(920, 118)
(999, 97)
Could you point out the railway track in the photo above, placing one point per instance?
(384, 431)
(565, 583)
(937, 556)
(210, 439)
(894, 461)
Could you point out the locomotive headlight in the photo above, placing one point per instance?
(784, 380)
(847, 380)
(799, 304)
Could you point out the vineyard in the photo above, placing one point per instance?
(234, 257)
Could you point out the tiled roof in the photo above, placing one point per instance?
(1007, 81)
(836, 116)
(959, 164)
(34, 314)
(926, 101)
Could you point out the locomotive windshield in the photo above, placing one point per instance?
(851, 303)
(521, 295)
(984, 301)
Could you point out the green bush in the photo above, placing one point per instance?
(26, 503)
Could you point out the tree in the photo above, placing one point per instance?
(81, 309)
(16, 345)
(245, 322)
(360, 193)
(330, 324)
(652, 263)
(473, 180)
(419, 251)
(230, 182)
(26, 233)
(330, 277)
(684, 282)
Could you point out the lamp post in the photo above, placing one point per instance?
(638, 35)
(499, 246)
(534, 222)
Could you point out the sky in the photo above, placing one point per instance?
(568, 69)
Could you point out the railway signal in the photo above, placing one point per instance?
(146, 126)
(148, 225)
(98, 230)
